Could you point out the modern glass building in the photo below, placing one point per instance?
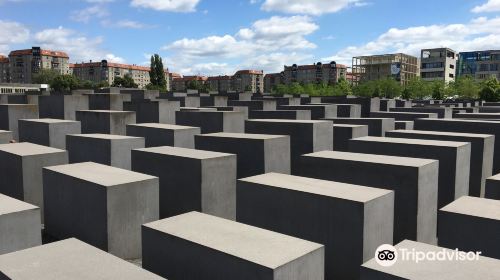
(479, 64)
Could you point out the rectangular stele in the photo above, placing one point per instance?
(21, 170)
(47, 132)
(68, 259)
(105, 121)
(376, 126)
(114, 150)
(157, 134)
(345, 132)
(406, 268)
(414, 181)
(305, 136)
(454, 160)
(10, 114)
(492, 187)
(20, 225)
(62, 107)
(256, 153)
(350, 220)
(101, 205)
(6, 136)
(471, 224)
(212, 121)
(190, 180)
(193, 246)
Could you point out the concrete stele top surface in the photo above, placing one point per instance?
(475, 206)
(405, 113)
(163, 126)
(20, 105)
(183, 152)
(286, 121)
(412, 141)
(485, 268)
(69, 259)
(243, 135)
(461, 120)
(11, 205)
(359, 119)
(106, 111)
(444, 133)
(319, 187)
(47, 120)
(28, 149)
(100, 174)
(382, 159)
(260, 246)
(350, 125)
(494, 177)
(104, 136)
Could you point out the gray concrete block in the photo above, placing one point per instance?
(408, 269)
(488, 109)
(256, 153)
(190, 180)
(47, 132)
(443, 113)
(481, 160)
(454, 160)
(350, 220)
(403, 125)
(69, 259)
(101, 205)
(10, 114)
(318, 111)
(161, 111)
(195, 245)
(157, 134)
(6, 136)
(403, 116)
(305, 136)
(280, 114)
(376, 126)
(113, 150)
(62, 106)
(342, 133)
(483, 116)
(471, 224)
(348, 110)
(20, 225)
(413, 180)
(104, 121)
(492, 187)
(386, 104)
(466, 126)
(210, 122)
(107, 101)
(266, 105)
(21, 170)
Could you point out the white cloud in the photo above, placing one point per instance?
(490, 6)
(183, 6)
(479, 33)
(126, 23)
(78, 47)
(310, 7)
(12, 32)
(88, 13)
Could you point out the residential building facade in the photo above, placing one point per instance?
(438, 64)
(271, 80)
(248, 80)
(4, 69)
(402, 67)
(220, 83)
(180, 84)
(328, 73)
(480, 65)
(25, 64)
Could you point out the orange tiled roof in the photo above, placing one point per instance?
(218, 78)
(191, 78)
(42, 52)
(255, 72)
(313, 66)
(4, 59)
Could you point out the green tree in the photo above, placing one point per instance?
(64, 83)
(295, 88)
(45, 76)
(465, 87)
(418, 89)
(490, 90)
(389, 88)
(438, 89)
(157, 74)
(126, 82)
(343, 87)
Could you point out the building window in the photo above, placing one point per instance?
(432, 65)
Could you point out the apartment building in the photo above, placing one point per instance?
(271, 80)
(220, 83)
(181, 84)
(248, 80)
(479, 64)
(25, 64)
(402, 67)
(438, 64)
(328, 73)
(4, 69)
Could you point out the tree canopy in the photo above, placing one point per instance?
(157, 74)
(126, 82)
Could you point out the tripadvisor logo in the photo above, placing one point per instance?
(387, 255)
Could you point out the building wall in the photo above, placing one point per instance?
(272, 80)
(25, 64)
(479, 64)
(328, 73)
(220, 83)
(438, 64)
(401, 67)
(4, 70)
(248, 79)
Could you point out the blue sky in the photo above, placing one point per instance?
(214, 37)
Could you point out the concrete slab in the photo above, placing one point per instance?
(348, 110)
(280, 114)
(69, 259)
(157, 134)
(454, 160)
(313, 210)
(113, 150)
(105, 121)
(492, 187)
(376, 126)
(266, 105)
(256, 153)
(159, 111)
(403, 116)
(190, 180)
(413, 180)
(20, 225)
(107, 101)
(47, 132)
(62, 106)
(10, 114)
(342, 133)
(121, 201)
(318, 111)
(404, 125)
(443, 113)
(6, 136)
(210, 122)
(195, 245)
